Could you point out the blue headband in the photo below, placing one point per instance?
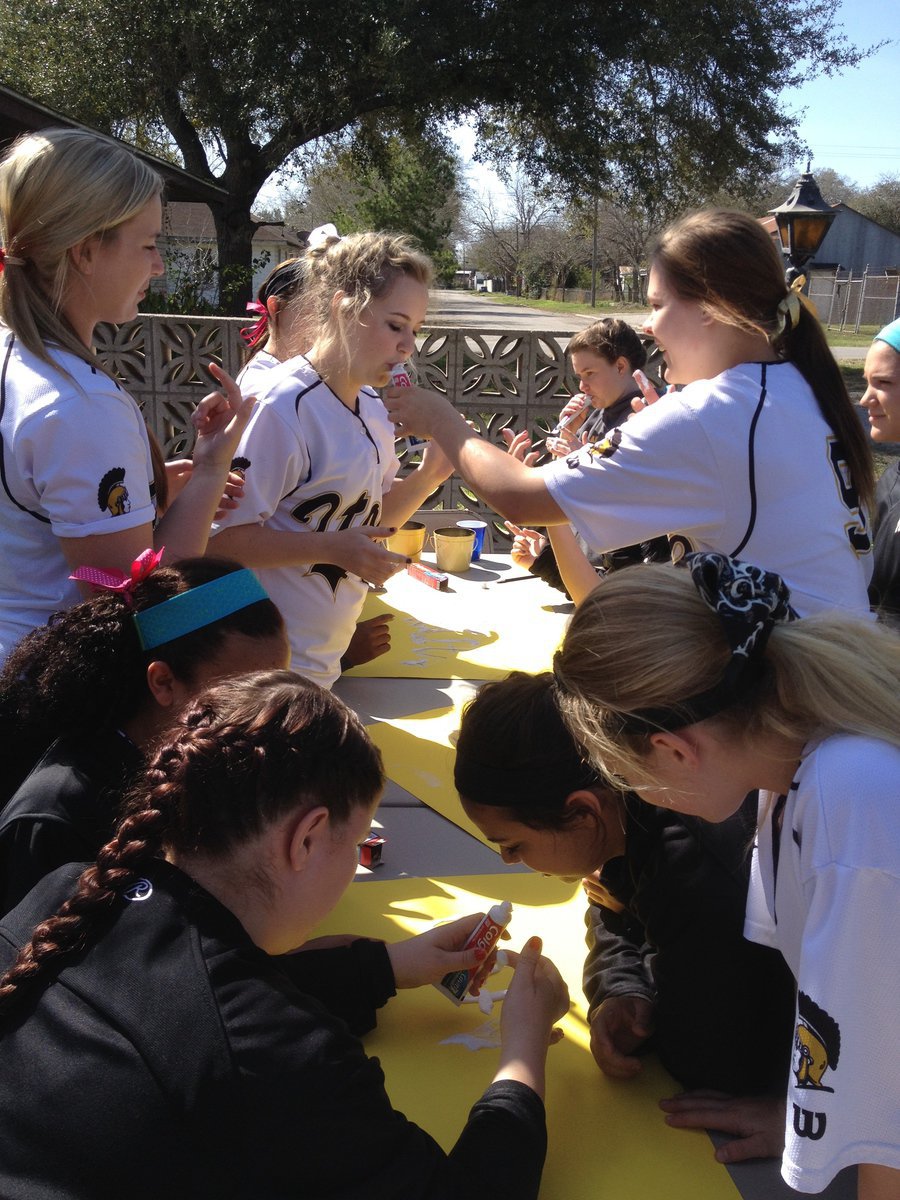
(197, 608)
(891, 335)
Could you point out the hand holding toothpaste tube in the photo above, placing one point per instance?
(430, 956)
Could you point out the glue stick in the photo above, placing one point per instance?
(486, 934)
(403, 376)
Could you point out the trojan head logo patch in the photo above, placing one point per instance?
(239, 465)
(112, 494)
(817, 1045)
(602, 449)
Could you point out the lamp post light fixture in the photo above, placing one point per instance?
(803, 220)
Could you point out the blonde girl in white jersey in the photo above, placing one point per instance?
(80, 479)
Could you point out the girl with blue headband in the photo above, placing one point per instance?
(882, 404)
(715, 691)
(83, 698)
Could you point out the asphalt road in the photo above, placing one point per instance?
(465, 310)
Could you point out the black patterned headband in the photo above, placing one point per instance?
(748, 602)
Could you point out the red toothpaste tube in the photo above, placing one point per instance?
(486, 934)
(435, 579)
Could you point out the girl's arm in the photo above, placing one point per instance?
(357, 550)
(219, 419)
(877, 1183)
(577, 574)
(507, 485)
(409, 492)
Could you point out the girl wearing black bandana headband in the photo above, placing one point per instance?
(696, 686)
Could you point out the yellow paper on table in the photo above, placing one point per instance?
(469, 633)
(418, 755)
(606, 1138)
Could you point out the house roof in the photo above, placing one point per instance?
(20, 114)
(193, 222)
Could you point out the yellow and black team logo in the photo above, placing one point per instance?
(817, 1045)
(112, 494)
(604, 448)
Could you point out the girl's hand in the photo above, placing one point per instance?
(410, 408)
(578, 404)
(536, 999)
(430, 956)
(618, 1027)
(357, 551)
(219, 420)
(648, 392)
(758, 1121)
(519, 446)
(527, 545)
(564, 443)
(370, 640)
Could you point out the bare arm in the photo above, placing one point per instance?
(411, 491)
(507, 485)
(577, 574)
(356, 550)
(877, 1183)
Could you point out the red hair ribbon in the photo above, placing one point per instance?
(252, 333)
(118, 581)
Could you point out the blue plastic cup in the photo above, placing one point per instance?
(478, 527)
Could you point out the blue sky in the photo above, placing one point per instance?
(850, 121)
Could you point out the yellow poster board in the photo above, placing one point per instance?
(418, 755)
(469, 632)
(608, 1139)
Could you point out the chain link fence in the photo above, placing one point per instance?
(847, 302)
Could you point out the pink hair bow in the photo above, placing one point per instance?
(250, 333)
(118, 581)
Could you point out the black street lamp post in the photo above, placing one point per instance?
(803, 220)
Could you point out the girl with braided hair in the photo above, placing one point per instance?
(82, 698)
(207, 1059)
(715, 691)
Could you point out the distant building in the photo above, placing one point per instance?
(188, 243)
(853, 244)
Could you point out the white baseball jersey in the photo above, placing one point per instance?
(74, 461)
(311, 464)
(825, 890)
(253, 377)
(744, 464)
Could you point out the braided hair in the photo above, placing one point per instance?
(240, 756)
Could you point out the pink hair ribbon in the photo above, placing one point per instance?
(11, 259)
(118, 581)
(252, 333)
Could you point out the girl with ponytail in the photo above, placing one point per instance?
(81, 480)
(759, 455)
(717, 690)
(198, 1055)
